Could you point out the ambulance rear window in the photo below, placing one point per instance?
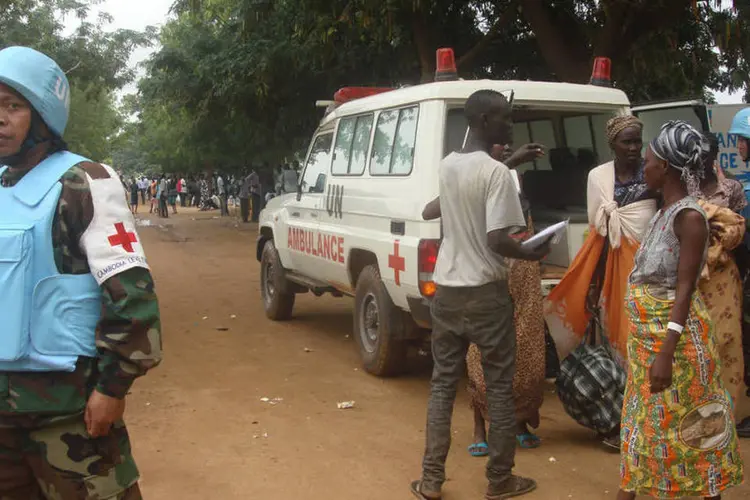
(393, 146)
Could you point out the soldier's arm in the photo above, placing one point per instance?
(128, 336)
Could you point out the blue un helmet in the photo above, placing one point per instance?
(40, 81)
(741, 123)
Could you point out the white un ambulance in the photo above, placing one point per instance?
(355, 228)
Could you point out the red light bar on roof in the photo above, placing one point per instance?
(347, 94)
(602, 74)
(445, 65)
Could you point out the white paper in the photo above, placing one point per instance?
(555, 231)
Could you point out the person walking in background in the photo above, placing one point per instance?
(134, 189)
(142, 188)
(62, 433)
(173, 184)
(255, 191)
(480, 209)
(163, 195)
(289, 179)
(222, 192)
(183, 192)
(245, 198)
(678, 433)
(153, 189)
(205, 201)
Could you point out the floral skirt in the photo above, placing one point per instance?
(528, 381)
(681, 442)
(723, 296)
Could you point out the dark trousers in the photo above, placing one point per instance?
(245, 208)
(223, 201)
(482, 315)
(143, 196)
(163, 207)
(256, 206)
(183, 199)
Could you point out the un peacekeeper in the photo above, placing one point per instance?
(80, 320)
(741, 128)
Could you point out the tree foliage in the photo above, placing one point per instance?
(95, 61)
(235, 81)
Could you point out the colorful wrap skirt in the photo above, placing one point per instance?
(681, 442)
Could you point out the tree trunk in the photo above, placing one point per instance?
(425, 48)
(569, 60)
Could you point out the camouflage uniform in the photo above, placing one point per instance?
(45, 451)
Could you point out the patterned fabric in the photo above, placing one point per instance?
(721, 288)
(729, 194)
(633, 190)
(68, 463)
(683, 148)
(614, 236)
(590, 387)
(128, 336)
(619, 123)
(528, 390)
(681, 442)
(656, 261)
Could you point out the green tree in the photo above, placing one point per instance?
(235, 81)
(95, 61)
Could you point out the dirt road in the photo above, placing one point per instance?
(201, 431)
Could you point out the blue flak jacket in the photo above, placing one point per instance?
(48, 319)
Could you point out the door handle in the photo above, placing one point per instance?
(314, 215)
(398, 227)
(295, 214)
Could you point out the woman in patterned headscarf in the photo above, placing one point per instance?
(678, 433)
(619, 208)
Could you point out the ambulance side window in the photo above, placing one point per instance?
(352, 144)
(393, 146)
(316, 168)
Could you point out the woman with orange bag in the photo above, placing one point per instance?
(620, 206)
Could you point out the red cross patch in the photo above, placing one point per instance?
(123, 238)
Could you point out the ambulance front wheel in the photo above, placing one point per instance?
(278, 302)
(378, 326)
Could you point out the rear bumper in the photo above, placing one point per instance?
(420, 311)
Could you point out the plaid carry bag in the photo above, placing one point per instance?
(591, 383)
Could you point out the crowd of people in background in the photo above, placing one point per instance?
(248, 191)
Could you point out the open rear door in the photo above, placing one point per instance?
(655, 115)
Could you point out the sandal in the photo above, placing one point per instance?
(528, 441)
(479, 449)
(416, 490)
(514, 487)
(743, 428)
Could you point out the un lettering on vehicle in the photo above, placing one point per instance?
(324, 246)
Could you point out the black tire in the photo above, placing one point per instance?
(278, 301)
(378, 326)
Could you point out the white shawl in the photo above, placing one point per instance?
(607, 218)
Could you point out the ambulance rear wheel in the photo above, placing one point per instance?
(378, 326)
(278, 302)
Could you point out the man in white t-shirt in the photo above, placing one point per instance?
(480, 210)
